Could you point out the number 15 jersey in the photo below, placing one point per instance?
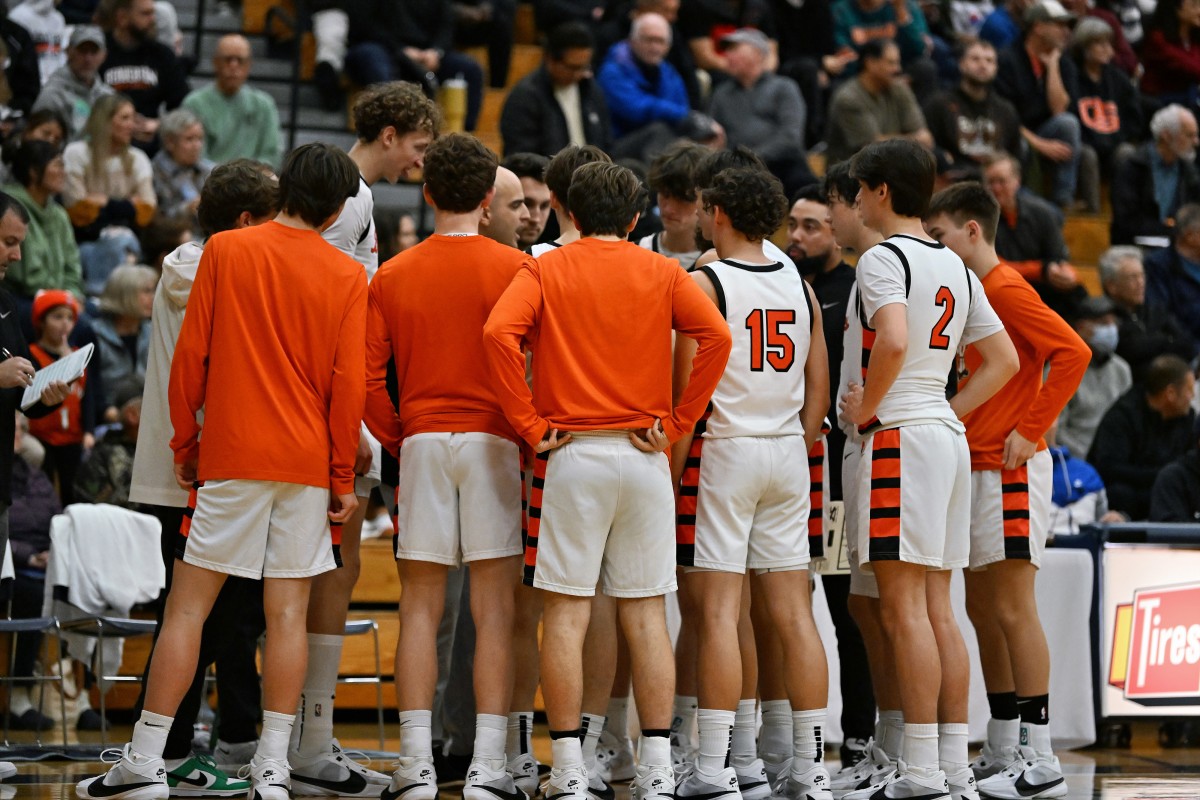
(947, 309)
(770, 316)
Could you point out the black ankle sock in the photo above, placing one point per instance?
(650, 733)
(1034, 710)
(577, 733)
(1003, 705)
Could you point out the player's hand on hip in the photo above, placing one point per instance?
(341, 506)
(652, 440)
(1017, 450)
(54, 393)
(363, 459)
(552, 441)
(185, 475)
(15, 371)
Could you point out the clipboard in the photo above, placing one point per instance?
(837, 558)
(65, 369)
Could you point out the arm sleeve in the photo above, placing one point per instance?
(982, 320)
(189, 365)
(515, 314)
(843, 21)
(348, 389)
(881, 281)
(380, 415)
(694, 315)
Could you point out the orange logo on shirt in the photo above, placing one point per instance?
(1100, 115)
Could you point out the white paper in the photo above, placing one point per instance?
(65, 369)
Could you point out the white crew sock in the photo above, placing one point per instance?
(276, 734)
(1002, 733)
(880, 727)
(921, 746)
(416, 734)
(893, 733)
(150, 734)
(655, 751)
(1037, 737)
(593, 726)
(808, 746)
(775, 737)
(743, 749)
(715, 727)
(616, 721)
(490, 733)
(683, 722)
(314, 735)
(568, 752)
(520, 734)
(952, 746)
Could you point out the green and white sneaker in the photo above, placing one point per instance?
(200, 776)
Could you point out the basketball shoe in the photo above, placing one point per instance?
(566, 784)
(653, 783)
(962, 785)
(1031, 777)
(875, 769)
(776, 765)
(335, 774)
(487, 781)
(414, 779)
(232, 757)
(697, 784)
(199, 776)
(524, 769)
(812, 784)
(269, 779)
(989, 761)
(614, 758)
(7, 770)
(752, 779)
(132, 777)
(905, 784)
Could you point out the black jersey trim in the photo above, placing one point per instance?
(753, 267)
(926, 242)
(812, 316)
(716, 282)
(903, 262)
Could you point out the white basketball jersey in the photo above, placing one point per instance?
(853, 364)
(542, 248)
(353, 232)
(946, 308)
(770, 315)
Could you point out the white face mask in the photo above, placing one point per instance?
(1104, 339)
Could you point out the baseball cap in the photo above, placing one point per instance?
(1093, 307)
(751, 36)
(87, 33)
(48, 299)
(1048, 11)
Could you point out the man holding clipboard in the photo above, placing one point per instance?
(16, 373)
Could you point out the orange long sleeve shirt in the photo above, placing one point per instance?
(598, 315)
(1026, 404)
(272, 349)
(427, 308)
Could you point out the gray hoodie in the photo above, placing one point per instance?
(154, 463)
(71, 99)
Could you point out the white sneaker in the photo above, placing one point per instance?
(269, 779)
(524, 769)
(962, 785)
(1033, 776)
(874, 770)
(335, 774)
(683, 754)
(776, 765)
(614, 758)
(812, 784)
(653, 783)
(132, 777)
(598, 788)
(487, 781)
(752, 780)
(903, 784)
(232, 757)
(7, 770)
(697, 784)
(566, 784)
(414, 779)
(989, 761)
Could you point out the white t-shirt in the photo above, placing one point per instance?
(569, 102)
(353, 232)
(653, 242)
(542, 248)
(947, 308)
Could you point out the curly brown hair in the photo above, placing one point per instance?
(753, 199)
(605, 198)
(459, 171)
(397, 104)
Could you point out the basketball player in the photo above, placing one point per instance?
(672, 178)
(601, 511)
(1010, 500)
(394, 123)
(916, 304)
(459, 498)
(748, 472)
(558, 179)
(282, 411)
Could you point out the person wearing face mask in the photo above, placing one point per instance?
(1108, 376)
(1147, 429)
(1151, 183)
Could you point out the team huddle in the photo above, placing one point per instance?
(592, 428)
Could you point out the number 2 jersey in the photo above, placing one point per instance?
(770, 316)
(947, 309)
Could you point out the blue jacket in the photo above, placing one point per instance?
(633, 100)
(1169, 285)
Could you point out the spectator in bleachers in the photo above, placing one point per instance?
(761, 110)
(410, 41)
(1173, 273)
(488, 22)
(1002, 26)
(1129, 14)
(1078, 497)
(1035, 77)
(239, 121)
(857, 22)
(1146, 330)
(165, 234)
(1171, 52)
(704, 22)
(109, 186)
(44, 126)
(646, 97)
(679, 55)
(1107, 377)
(76, 86)
(20, 65)
(531, 169)
(558, 104)
(1123, 57)
(809, 55)
(549, 14)
(48, 30)
(397, 231)
(123, 331)
(1108, 106)
(972, 123)
(49, 255)
(107, 475)
(1151, 183)
(1029, 237)
(179, 168)
(140, 66)
(875, 104)
(1176, 493)
(330, 27)
(1146, 429)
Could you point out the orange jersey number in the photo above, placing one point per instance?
(768, 341)
(938, 340)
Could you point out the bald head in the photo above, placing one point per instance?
(231, 63)
(650, 38)
(507, 211)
